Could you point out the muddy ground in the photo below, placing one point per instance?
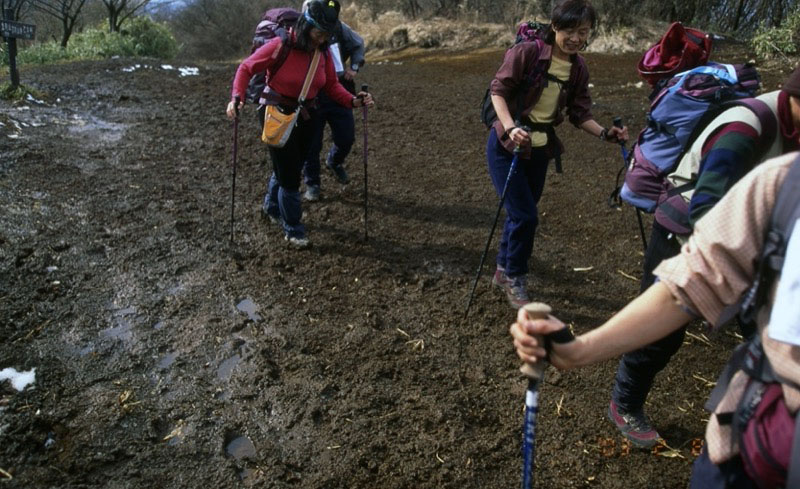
(166, 356)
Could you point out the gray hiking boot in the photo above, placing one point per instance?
(272, 218)
(339, 171)
(312, 193)
(298, 243)
(634, 426)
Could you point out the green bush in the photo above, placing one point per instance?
(140, 37)
(783, 40)
(7, 92)
(151, 38)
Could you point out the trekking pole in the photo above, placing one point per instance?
(235, 150)
(535, 373)
(514, 161)
(618, 123)
(365, 88)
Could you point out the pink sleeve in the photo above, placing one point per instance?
(332, 87)
(261, 59)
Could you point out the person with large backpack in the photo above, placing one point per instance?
(347, 49)
(740, 137)
(537, 81)
(744, 255)
(306, 71)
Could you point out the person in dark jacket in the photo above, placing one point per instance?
(347, 50)
(312, 32)
(731, 146)
(537, 102)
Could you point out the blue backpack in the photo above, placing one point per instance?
(681, 108)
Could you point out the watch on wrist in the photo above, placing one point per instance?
(604, 134)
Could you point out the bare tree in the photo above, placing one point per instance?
(66, 11)
(18, 8)
(121, 10)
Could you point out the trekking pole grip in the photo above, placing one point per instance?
(535, 310)
(525, 128)
(618, 123)
(236, 101)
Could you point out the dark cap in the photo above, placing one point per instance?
(792, 85)
(323, 14)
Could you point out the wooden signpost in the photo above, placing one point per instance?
(11, 31)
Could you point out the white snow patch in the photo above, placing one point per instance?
(19, 380)
(189, 71)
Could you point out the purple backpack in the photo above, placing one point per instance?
(681, 108)
(275, 22)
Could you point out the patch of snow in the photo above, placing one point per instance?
(189, 71)
(30, 98)
(167, 67)
(19, 380)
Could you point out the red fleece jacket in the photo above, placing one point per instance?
(288, 81)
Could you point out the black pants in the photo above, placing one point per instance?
(282, 199)
(638, 369)
(287, 162)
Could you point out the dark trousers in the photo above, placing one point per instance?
(638, 369)
(525, 188)
(727, 475)
(340, 119)
(283, 190)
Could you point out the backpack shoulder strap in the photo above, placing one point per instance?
(766, 117)
(784, 216)
(287, 43)
(720, 116)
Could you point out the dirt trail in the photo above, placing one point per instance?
(165, 356)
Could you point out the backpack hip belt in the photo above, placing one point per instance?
(271, 97)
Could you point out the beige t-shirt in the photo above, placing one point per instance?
(545, 109)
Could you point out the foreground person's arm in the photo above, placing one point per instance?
(649, 317)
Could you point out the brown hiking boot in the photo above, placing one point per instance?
(500, 279)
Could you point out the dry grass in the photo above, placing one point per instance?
(391, 32)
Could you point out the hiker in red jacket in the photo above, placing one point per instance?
(312, 32)
(537, 81)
